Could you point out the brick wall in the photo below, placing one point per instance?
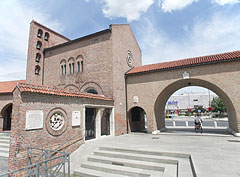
(154, 88)
(21, 139)
(54, 39)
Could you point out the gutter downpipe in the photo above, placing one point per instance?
(125, 79)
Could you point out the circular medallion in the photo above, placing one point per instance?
(129, 58)
(56, 122)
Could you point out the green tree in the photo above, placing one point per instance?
(218, 105)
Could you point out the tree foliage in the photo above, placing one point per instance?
(218, 105)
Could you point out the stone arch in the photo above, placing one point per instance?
(6, 113)
(137, 119)
(92, 85)
(159, 105)
(72, 87)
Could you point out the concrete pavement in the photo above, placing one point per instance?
(214, 153)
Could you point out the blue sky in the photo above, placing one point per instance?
(165, 29)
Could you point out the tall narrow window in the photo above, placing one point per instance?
(72, 67)
(65, 69)
(38, 57)
(46, 36)
(39, 34)
(78, 63)
(39, 45)
(81, 66)
(37, 70)
(62, 69)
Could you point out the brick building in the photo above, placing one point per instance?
(95, 86)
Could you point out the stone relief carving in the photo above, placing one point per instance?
(129, 58)
(56, 121)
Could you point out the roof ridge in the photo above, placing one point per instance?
(57, 91)
(226, 56)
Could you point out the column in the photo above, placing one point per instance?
(98, 123)
(112, 123)
(83, 122)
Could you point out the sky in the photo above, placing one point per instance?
(166, 30)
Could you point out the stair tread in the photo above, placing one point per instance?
(110, 159)
(154, 153)
(122, 169)
(142, 157)
(4, 154)
(93, 173)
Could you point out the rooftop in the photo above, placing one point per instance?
(58, 91)
(202, 60)
(8, 86)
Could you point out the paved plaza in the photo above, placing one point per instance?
(214, 153)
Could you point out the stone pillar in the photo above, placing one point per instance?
(112, 123)
(83, 122)
(98, 123)
(1, 123)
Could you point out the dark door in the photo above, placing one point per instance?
(90, 123)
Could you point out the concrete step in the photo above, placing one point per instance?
(128, 163)
(4, 149)
(5, 141)
(183, 161)
(84, 172)
(138, 157)
(4, 154)
(4, 137)
(168, 154)
(121, 170)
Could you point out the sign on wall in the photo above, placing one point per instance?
(34, 119)
(76, 118)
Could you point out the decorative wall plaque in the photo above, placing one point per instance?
(56, 122)
(135, 99)
(34, 119)
(76, 118)
(129, 58)
(185, 75)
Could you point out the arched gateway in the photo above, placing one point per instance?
(152, 85)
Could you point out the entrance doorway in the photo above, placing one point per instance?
(7, 117)
(90, 119)
(137, 120)
(105, 122)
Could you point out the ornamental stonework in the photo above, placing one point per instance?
(56, 122)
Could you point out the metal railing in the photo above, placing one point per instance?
(41, 162)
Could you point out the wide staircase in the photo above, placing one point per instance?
(113, 162)
(4, 151)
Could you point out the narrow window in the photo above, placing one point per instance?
(39, 34)
(72, 67)
(65, 69)
(46, 36)
(39, 45)
(37, 70)
(62, 69)
(81, 66)
(38, 57)
(78, 63)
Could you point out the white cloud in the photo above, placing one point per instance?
(15, 19)
(130, 9)
(171, 5)
(224, 2)
(218, 34)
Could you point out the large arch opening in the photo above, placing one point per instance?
(7, 117)
(160, 103)
(137, 119)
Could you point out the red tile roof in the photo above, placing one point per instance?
(8, 86)
(58, 91)
(229, 56)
